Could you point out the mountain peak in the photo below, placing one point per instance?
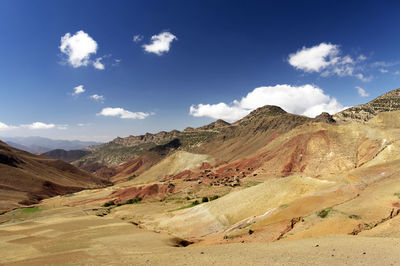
(214, 125)
(264, 111)
(390, 101)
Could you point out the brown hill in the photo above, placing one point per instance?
(66, 156)
(214, 125)
(26, 178)
(251, 133)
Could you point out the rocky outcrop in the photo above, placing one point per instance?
(387, 102)
(325, 118)
(146, 138)
(214, 125)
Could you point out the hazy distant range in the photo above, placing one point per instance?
(40, 145)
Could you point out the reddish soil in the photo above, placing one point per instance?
(144, 192)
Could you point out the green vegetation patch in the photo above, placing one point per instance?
(214, 197)
(108, 204)
(284, 206)
(397, 194)
(131, 177)
(324, 213)
(30, 210)
(133, 201)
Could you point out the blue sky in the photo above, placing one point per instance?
(192, 62)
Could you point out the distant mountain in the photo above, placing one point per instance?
(66, 156)
(39, 144)
(133, 155)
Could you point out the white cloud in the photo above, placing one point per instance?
(137, 38)
(363, 78)
(116, 62)
(78, 48)
(362, 92)
(305, 100)
(4, 127)
(39, 125)
(96, 97)
(382, 70)
(122, 113)
(78, 90)
(223, 111)
(98, 64)
(160, 43)
(62, 127)
(385, 64)
(325, 58)
(362, 57)
(316, 58)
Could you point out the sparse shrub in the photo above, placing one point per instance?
(204, 199)
(133, 201)
(214, 197)
(131, 177)
(108, 204)
(354, 216)
(187, 198)
(397, 194)
(130, 201)
(284, 206)
(251, 232)
(324, 213)
(196, 202)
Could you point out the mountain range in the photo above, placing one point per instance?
(268, 177)
(39, 145)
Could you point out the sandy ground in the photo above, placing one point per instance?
(76, 239)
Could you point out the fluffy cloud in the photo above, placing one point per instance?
(122, 113)
(137, 38)
(96, 97)
(326, 59)
(33, 126)
(160, 43)
(362, 92)
(4, 127)
(78, 90)
(314, 59)
(98, 64)
(305, 100)
(219, 111)
(78, 47)
(39, 125)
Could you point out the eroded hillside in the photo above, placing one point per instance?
(26, 178)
